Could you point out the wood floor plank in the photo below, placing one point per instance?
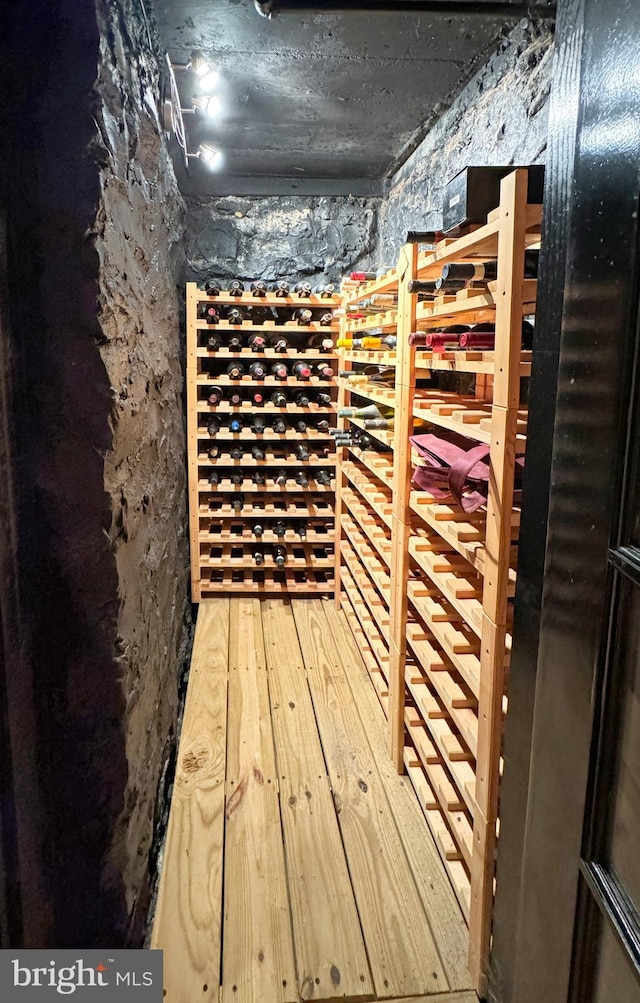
(404, 959)
(329, 946)
(258, 962)
(447, 924)
(187, 925)
(463, 997)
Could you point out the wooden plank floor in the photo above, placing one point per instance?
(298, 865)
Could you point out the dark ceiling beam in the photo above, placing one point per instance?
(217, 185)
(495, 8)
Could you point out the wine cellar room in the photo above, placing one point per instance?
(319, 538)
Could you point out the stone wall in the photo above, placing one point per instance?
(499, 118)
(279, 237)
(94, 271)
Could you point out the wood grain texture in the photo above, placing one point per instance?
(438, 898)
(329, 946)
(187, 923)
(258, 961)
(402, 953)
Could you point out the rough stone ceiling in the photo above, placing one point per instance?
(311, 98)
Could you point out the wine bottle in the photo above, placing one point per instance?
(301, 425)
(478, 340)
(236, 287)
(234, 343)
(302, 479)
(325, 291)
(302, 400)
(213, 342)
(279, 529)
(279, 343)
(257, 399)
(278, 398)
(428, 286)
(213, 427)
(258, 557)
(236, 453)
(279, 426)
(212, 287)
(237, 502)
(324, 400)
(372, 343)
(279, 555)
(320, 342)
(214, 395)
(214, 478)
(258, 530)
(257, 426)
(280, 371)
(257, 371)
(259, 288)
(322, 425)
(235, 425)
(258, 477)
(322, 477)
(362, 276)
(257, 342)
(323, 371)
(280, 477)
(424, 236)
(419, 338)
(301, 530)
(441, 341)
(235, 370)
(302, 316)
(301, 371)
(235, 315)
(281, 288)
(301, 451)
(369, 411)
(469, 271)
(378, 423)
(210, 313)
(325, 319)
(257, 453)
(236, 477)
(302, 288)
(235, 400)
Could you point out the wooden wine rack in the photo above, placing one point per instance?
(221, 536)
(428, 588)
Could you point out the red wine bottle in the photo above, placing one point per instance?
(258, 557)
(258, 426)
(236, 453)
(234, 343)
(322, 477)
(213, 427)
(301, 425)
(214, 452)
(301, 479)
(235, 370)
(259, 288)
(257, 342)
(237, 502)
(469, 271)
(320, 342)
(325, 291)
(257, 453)
(302, 288)
(301, 451)
(210, 313)
(279, 555)
(325, 320)
(279, 426)
(428, 286)
(257, 371)
(362, 276)
(214, 478)
(279, 529)
(213, 342)
(235, 399)
(281, 288)
(236, 287)
(280, 371)
(323, 371)
(302, 400)
(280, 477)
(214, 395)
(278, 398)
(236, 477)
(212, 287)
(301, 371)
(258, 530)
(301, 530)
(324, 400)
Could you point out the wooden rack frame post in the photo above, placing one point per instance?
(340, 477)
(401, 523)
(506, 397)
(192, 437)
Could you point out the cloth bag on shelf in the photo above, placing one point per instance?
(455, 467)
